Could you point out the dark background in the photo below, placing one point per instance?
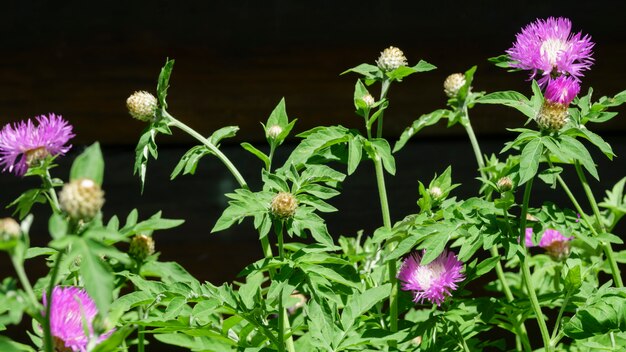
(234, 62)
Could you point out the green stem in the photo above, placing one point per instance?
(48, 342)
(606, 247)
(383, 93)
(21, 274)
(54, 200)
(475, 146)
(283, 318)
(271, 156)
(555, 330)
(140, 336)
(218, 153)
(589, 194)
(543, 328)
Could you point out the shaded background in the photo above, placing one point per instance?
(234, 62)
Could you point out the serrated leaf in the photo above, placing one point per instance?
(163, 82)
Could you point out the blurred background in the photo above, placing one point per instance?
(235, 60)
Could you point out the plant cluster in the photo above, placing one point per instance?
(408, 286)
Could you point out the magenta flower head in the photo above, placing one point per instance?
(548, 48)
(70, 307)
(558, 95)
(433, 281)
(555, 244)
(23, 144)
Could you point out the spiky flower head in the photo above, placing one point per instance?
(369, 100)
(81, 199)
(453, 84)
(284, 205)
(390, 59)
(549, 49)
(558, 95)
(141, 247)
(142, 105)
(25, 144)
(433, 281)
(274, 131)
(72, 313)
(555, 244)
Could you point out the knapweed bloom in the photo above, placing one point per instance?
(549, 49)
(70, 308)
(555, 244)
(433, 281)
(391, 59)
(558, 95)
(24, 144)
(453, 84)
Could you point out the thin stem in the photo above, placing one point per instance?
(475, 146)
(48, 342)
(140, 335)
(218, 153)
(54, 200)
(543, 328)
(555, 330)
(606, 247)
(589, 194)
(271, 156)
(283, 318)
(21, 274)
(383, 93)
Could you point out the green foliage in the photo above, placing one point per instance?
(89, 164)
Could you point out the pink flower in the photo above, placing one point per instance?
(70, 307)
(23, 143)
(548, 48)
(433, 281)
(555, 244)
(562, 90)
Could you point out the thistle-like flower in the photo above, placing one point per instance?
(142, 105)
(72, 313)
(558, 95)
(23, 144)
(555, 244)
(141, 247)
(284, 205)
(433, 281)
(453, 84)
(549, 49)
(81, 199)
(390, 59)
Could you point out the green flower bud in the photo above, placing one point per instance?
(141, 247)
(81, 199)
(283, 205)
(142, 106)
(274, 131)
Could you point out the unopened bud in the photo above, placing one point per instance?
(284, 205)
(453, 84)
(369, 100)
(504, 184)
(142, 105)
(81, 199)
(435, 192)
(274, 131)
(10, 232)
(552, 116)
(141, 247)
(390, 59)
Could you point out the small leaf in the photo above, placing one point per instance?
(529, 161)
(423, 121)
(224, 132)
(89, 164)
(259, 154)
(512, 99)
(164, 82)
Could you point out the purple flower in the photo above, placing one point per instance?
(555, 244)
(547, 47)
(23, 144)
(562, 90)
(433, 281)
(70, 307)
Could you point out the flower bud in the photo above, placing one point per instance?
(274, 131)
(453, 84)
(141, 247)
(9, 229)
(552, 116)
(558, 95)
(283, 205)
(504, 184)
(142, 105)
(435, 192)
(390, 59)
(81, 199)
(369, 100)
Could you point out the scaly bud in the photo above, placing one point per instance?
(283, 205)
(81, 199)
(142, 105)
(390, 59)
(141, 247)
(453, 84)
(10, 232)
(504, 184)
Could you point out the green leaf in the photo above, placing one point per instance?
(259, 154)
(355, 153)
(578, 151)
(278, 115)
(512, 99)
(370, 72)
(417, 125)
(189, 161)
(529, 161)
(26, 200)
(486, 265)
(89, 164)
(224, 132)
(383, 151)
(316, 140)
(8, 345)
(164, 82)
(96, 274)
(57, 226)
(359, 303)
(404, 71)
(597, 141)
(603, 313)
